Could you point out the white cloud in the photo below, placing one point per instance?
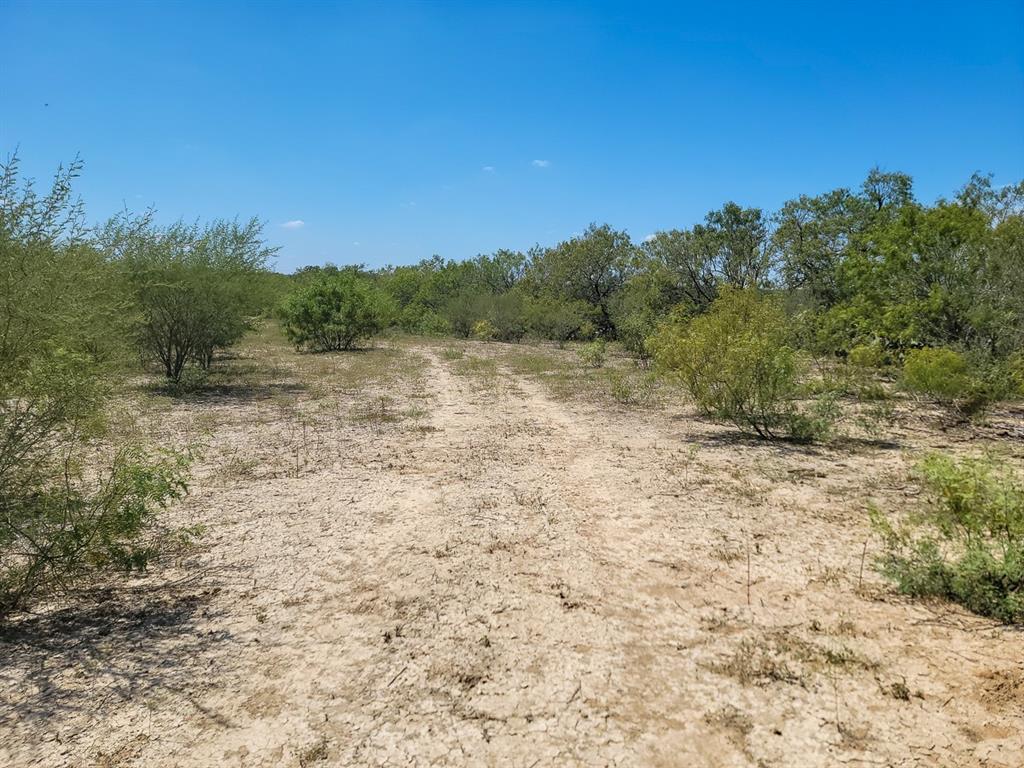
(540, 163)
(651, 237)
(488, 169)
(355, 242)
(294, 224)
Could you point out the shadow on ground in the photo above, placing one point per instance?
(115, 645)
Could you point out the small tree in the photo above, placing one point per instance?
(195, 287)
(737, 363)
(335, 312)
(590, 268)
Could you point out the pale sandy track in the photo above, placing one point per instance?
(525, 582)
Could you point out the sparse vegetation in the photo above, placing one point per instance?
(696, 482)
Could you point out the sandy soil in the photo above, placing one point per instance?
(441, 564)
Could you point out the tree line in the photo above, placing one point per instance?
(871, 266)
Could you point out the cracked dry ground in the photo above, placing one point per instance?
(439, 563)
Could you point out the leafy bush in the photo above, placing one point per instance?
(54, 533)
(633, 331)
(631, 389)
(484, 331)
(592, 353)
(557, 319)
(506, 314)
(940, 373)
(642, 303)
(967, 542)
(503, 314)
(335, 312)
(417, 320)
(462, 311)
(737, 363)
(868, 356)
(969, 385)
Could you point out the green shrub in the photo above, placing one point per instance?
(196, 289)
(592, 354)
(335, 312)
(816, 420)
(871, 391)
(55, 532)
(558, 319)
(633, 330)
(966, 543)
(462, 312)
(1015, 368)
(502, 312)
(630, 389)
(868, 356)
(737, 363)
(940, 373)
(969, 385)
(484, 331)
(506, 313)
(417, 319)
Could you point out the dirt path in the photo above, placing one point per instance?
(524, 582)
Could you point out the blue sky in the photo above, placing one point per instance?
(396, 131)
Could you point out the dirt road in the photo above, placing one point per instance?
(471, 572)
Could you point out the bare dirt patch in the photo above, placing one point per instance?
(472, 554)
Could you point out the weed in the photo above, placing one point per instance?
(592, 354)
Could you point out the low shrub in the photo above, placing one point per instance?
(937, 372)
(483, 330)
(969, 385)
(631, 389)
(966, 542)
(54, 533)
(868, 356)
(335, 312)
(737, 362)
(592, 354)
(559, 320)
(500, 315)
